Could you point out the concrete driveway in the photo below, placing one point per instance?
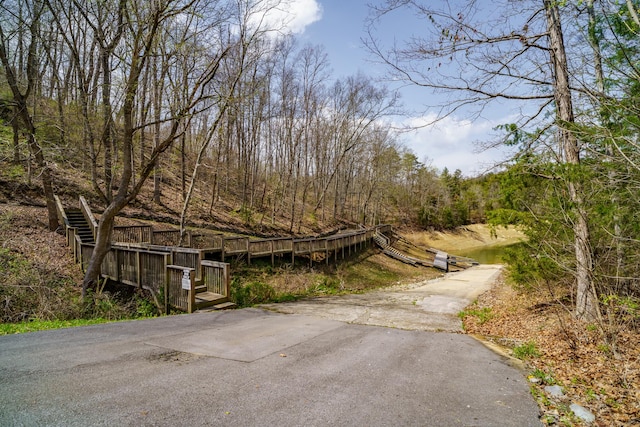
(254, 367)
(432, 305)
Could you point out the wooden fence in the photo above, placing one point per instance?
(132, 233)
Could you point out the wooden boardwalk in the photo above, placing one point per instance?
(194, 275)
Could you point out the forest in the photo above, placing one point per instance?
(210, 100)
(211, 106)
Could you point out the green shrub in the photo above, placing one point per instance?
(252, 293)
(327, 286)
(545, 378)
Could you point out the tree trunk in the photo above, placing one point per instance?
(100, 250)
(586, 302)
(16, 137)
(20, 100)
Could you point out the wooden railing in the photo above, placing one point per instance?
(235, 246)
(132, 234)
(176, 295)
(62, 216)
(206, 240)
(161, 272)
(188, 257)
(181, 288)
(221, 246)
(216, 277)
(170, 237)
(166, 237)
(150, 259)
(341, 244)
(69, 232)
(88, 216)
(85, 250)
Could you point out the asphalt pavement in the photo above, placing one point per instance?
(257, 367)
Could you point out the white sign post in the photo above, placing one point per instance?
(186, 280)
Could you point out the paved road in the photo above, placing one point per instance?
(255, 367)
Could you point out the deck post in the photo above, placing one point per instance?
(166, 262)
(227, 281)
(116, 256)
(326, 251)
(272, 255)
(138, 269)
(166, 284)
(192, 290)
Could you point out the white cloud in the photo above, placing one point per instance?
(455, 143)
(304, 13)
(293, 15)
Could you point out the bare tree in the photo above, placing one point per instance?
(144, 25)
(514, 52)
(21, 90)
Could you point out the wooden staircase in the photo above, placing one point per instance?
(383, 242)
(440, 260)
(77, 220)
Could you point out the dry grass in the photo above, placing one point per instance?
(467, 237)
(573, 355)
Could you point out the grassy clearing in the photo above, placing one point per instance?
(262, 283)
(43, 325)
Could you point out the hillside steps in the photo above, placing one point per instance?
(77, 220)
(383, 242)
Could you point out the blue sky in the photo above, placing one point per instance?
(338, 25)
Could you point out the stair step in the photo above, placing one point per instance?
(222, 306)
(225, 305)
(208, 297)
(200, 289)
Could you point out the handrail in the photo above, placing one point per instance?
(88, 215)
(381, 236)
(132, 234)
(62, 215)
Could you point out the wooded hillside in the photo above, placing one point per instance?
(202, 106)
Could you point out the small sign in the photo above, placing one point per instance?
(186, 280)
